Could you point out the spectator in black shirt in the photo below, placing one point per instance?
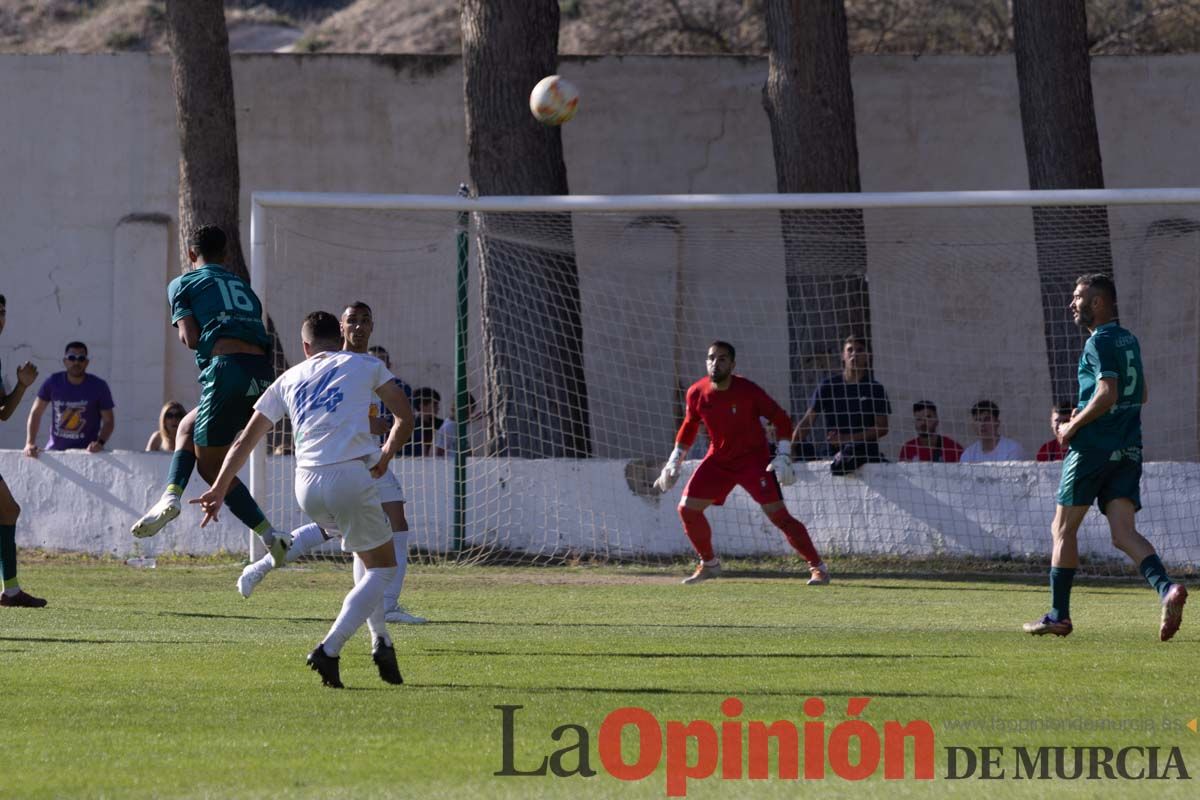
(853, 406)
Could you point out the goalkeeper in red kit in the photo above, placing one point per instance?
(732, 408)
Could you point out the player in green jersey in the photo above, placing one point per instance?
(220, 317)
(1104, 460)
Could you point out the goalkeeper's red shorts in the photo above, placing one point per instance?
(714, 481)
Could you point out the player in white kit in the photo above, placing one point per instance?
(327, 397)
(357, 324)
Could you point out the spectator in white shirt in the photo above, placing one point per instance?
(991, 446)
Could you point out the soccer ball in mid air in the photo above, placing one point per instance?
(554, 100)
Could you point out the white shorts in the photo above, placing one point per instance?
(344, 496)
(388, 487)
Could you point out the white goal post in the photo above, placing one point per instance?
(576, 322)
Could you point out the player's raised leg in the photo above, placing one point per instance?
(304, 539)
(183, 462)
(1125, 537)
(12, 596)
(1064, 560)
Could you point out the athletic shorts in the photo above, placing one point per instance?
(714, 481)
(388, 487)
(343, 496)
(229, 387)
(1101, 477)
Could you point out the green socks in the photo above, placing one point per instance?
(241, 503)
(1155, 573)
(182, 464)
(1061, 579)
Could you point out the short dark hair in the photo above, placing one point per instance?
(321, 326)
(854, 338)
(426, 393)
(924, 405)
(3, 302)
(1099, 282)
(209, 242)
(727, 347)
(985, 407)
(1064, 407)
(359, 305)
(76, 346)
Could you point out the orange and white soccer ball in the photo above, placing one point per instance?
(554, 100)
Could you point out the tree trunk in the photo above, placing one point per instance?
(1062, 149)
(532, 331)
(810, 103)
(209, 181)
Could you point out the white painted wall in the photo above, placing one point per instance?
(90, 141)
(86, 503)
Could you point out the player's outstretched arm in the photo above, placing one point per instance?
(235, 459)
(394, 399)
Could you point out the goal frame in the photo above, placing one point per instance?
(262, 201)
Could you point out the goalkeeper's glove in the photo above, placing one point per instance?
(670, 471)
(781, 464)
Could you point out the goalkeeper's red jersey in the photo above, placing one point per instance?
(734, 420)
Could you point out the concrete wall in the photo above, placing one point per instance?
(89, 153)
(86, 503)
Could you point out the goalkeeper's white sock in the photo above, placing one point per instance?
(392, 596)
(361, 601)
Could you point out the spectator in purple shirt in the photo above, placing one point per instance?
(81, 403)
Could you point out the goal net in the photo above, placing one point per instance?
(576, 325)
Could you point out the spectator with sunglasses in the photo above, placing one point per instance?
(82, 407)
(163, 439)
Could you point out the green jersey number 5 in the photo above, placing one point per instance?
(1130, 374)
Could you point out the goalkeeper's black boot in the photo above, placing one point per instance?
(326, 666)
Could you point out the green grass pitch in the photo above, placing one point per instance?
(166, 683)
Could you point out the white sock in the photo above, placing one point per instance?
(305, 538)
(391, 597)
(360, 603)
(376, 622)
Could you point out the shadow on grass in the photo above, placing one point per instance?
(52, 640)
(196, 615)
(896, 656)
(1030, 587)
(989, 581)
(686, 627)
(800, 693)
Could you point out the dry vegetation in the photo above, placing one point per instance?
(592, 27)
